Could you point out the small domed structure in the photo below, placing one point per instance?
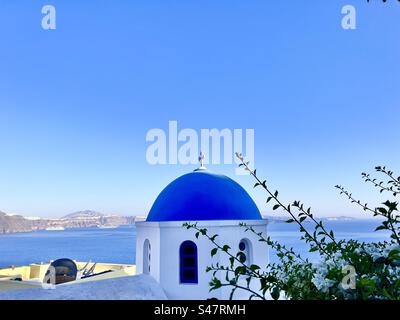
(202, 195)
(175, 257)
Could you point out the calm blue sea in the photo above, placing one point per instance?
(118, 245)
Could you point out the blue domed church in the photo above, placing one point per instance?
(172, 254)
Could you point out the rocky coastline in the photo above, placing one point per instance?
(82, 219)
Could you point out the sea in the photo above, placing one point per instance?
(118, 245)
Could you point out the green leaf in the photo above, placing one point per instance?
(264, 184)
(217, 284)
(387, 295)
(382, 210)
(214, 252)
(394, 254)
(275, 293)
(275, 207)
(213, 237)
(241, 256)
(254, 267)
(263, 283)
(381, 228)
(232, 261)
(240, 270)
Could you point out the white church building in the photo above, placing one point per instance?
(174, 257)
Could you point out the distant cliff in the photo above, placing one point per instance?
(9, 224)
(283, 219)
(81, 219)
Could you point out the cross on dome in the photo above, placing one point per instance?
(201, 160)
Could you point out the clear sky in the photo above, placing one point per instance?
(76, 102)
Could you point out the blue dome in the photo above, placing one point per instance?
(201, 195)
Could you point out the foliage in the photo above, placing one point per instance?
(348, 269)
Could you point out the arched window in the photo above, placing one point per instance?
(188, 262)
(146, 256)
(246, 251)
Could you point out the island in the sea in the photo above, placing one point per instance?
(10, 223)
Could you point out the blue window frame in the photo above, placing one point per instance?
(188, 262)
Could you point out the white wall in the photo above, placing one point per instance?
(166, 238)
(146, 230)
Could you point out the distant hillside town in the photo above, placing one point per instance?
(10, 223)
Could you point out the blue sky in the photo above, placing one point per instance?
(76, 102)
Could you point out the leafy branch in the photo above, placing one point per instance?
(392, 186)
(318, 244)
(281, 250)
(391, 219)
(375, 266)
(239, 269)
(390, 174)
